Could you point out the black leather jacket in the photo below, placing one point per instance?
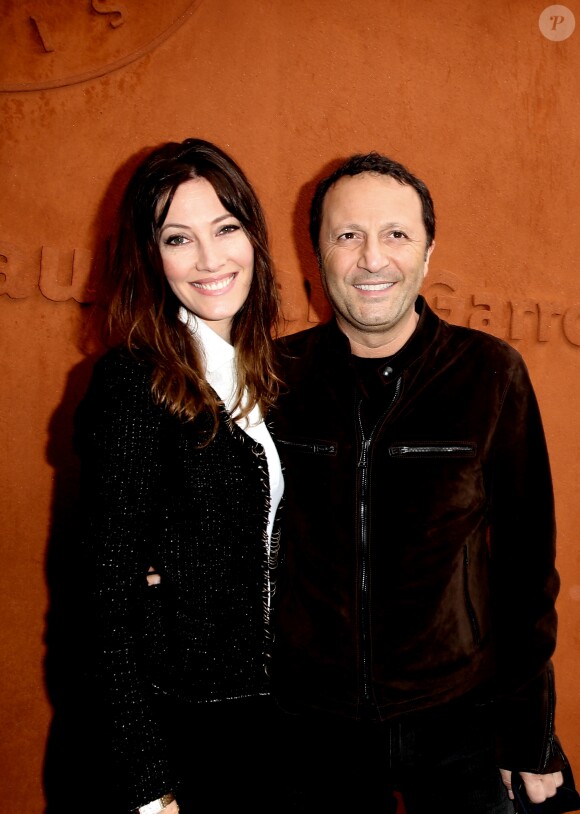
(419, 537)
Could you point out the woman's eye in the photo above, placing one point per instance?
(175, 240)
(228, 228)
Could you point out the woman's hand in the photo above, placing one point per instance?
(153, 578)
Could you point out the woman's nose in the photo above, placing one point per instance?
(209, 257)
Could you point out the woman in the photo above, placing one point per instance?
(179, 473)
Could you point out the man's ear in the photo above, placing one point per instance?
(428, 253)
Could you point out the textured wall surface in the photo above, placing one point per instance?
(480, 100)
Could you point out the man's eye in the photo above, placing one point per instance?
(398, 235)
(347, 236)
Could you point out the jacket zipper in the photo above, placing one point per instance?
(363, 467)
(399, 451)
(550, 723)
(468, 602)
(316, 447)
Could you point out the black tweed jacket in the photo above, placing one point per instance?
(150, 495)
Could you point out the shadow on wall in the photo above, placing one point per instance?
(319, 309)
(76, 772)
(73, 767)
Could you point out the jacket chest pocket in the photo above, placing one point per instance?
(441, 449)
(308, 446)
(432, 480)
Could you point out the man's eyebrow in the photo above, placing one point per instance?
(347, 227)
(395, 224)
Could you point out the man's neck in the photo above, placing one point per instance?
(371, 345)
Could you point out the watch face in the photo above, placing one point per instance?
(49, 44)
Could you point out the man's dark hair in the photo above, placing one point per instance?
(379, 165)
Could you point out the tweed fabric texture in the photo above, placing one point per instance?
(150, 495)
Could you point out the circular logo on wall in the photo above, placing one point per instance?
(557, 23)
(53, 44)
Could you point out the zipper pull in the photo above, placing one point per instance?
(363, 453)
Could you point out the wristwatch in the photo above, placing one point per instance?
(155, 806)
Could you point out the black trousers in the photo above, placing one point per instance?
(224, 755)
(439, 762)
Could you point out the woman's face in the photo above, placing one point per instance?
(207, 257)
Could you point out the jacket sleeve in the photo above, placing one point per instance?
(118, 438)
(524, 581)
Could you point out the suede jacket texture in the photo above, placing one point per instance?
(150, 495)
(419, 535)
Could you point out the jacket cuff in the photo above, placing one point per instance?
(524, 723)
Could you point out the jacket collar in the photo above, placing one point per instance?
(392, 367)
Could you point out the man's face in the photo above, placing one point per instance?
(374, 258)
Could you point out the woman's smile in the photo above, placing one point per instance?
(215, 286)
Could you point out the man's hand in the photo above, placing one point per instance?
(538, 786)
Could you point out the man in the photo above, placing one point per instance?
(415, 608)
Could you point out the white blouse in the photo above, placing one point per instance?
(221, 374)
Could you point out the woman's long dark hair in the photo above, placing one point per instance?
(142, 310)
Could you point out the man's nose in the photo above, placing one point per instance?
(375, 254)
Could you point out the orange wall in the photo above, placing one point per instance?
(473, 97)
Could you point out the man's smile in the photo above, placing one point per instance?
(373, 286)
